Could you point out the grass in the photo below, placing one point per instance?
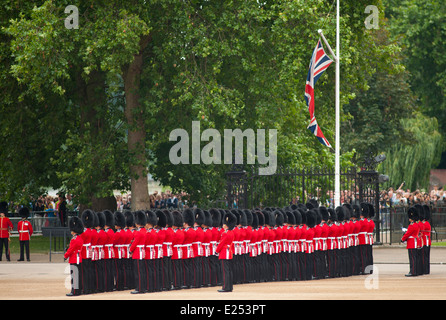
(37, 244)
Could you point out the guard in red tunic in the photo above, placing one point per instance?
(74, 256)
(177, 250)
(168, 250)
(25, 231)
(151, 254)
(120, 250)
(206, 243)
(160, 237)
(216, 215)
(197, 245)
(224, 249)
(129, 231)
(6, 227)
(331, 242)
(188, 252)
(87, 218)
(109, 254)
(426, 234)
(137, 251)
(100, 245)
(411, 239)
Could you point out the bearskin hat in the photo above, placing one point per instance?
(230, 220)
(140, 218)
(269, 218)
(318, 216)
(101, 219)
(364, 209)
(332, 215)
(243, 218)
(291, 219)
(303, 215)
(255, 221)
(371, 210)
(152, 219)
(349, 211)
(297, 217)
(199, 216)
(95, 219)
(177, 219)
(249, 217)
(324, 212)
(76, 225)
(236, 213)
(24, 212)
(207, 218)
(356, 211)
(119, 219)
(309, 206)
(260, 217)
(412, 213)
(4, 207)
(311, 218)
(278, 215)
(87, 218)
(216, 217)
(189, 217)
(161, 219)
(427, 212)
(109, 218)
(420, 211)
(169, 218)
(340, 213)
(129, 219)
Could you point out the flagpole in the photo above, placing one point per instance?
(337, 193)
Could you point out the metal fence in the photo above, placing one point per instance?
(40, 219)
(393, 219)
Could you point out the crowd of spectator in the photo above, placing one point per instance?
(163, 200)
(406, 197)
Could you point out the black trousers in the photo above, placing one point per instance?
(120, 274)
(76, 278)
(197, 266)
(363, 254)
(150, 275)
(426, 259)
(4, 242)
(140, 274)
(227, 275)
(413, 261)
(167, 273)
(100, 275)
(215, 275)
(331, 261)
(109, 274)
(177, 273)
(88, 276)
(24, 246)
(187, 272)
(129, 280)
(206, 271)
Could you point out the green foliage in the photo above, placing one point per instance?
(412, 162)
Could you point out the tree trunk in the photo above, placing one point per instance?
(137, 133)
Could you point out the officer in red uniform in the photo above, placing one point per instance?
(426, 234)
(331, 242)
(6, 227)
(100, 244)
(224, 249)
(109, 254)
(197, 261)
(87, 266)
(167, 250)
(411, 239)
(120, 250)
(206, 243)
(74, 256)
(137, 251)
(129, 230)
(188, 252)
(177, 250)
(160, 238)
(151, 254)
(25, 231)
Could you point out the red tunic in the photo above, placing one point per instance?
(411, 236)
(73, 253)
(108, 245)
(86, 238)
(25, 230)
(177, 243)
(5, 227)
(137, 248)
(224, 248)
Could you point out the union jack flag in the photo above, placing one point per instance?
(320, 61)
